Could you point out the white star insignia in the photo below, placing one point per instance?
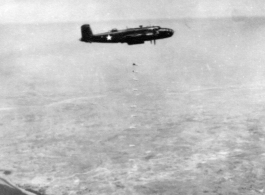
(109, 37)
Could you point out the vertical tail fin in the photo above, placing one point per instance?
(86, 33)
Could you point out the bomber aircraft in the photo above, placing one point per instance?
(130, 36)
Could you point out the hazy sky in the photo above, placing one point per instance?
(32, 11)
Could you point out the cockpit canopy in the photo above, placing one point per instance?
(154, 27)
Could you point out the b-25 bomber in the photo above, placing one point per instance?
(131, 36)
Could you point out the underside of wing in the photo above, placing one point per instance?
(135, 42)
(134, 39)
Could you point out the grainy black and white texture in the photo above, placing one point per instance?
(186, 118)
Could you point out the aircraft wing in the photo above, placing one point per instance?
(132, 37)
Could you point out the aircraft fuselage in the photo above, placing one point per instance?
(130, 35)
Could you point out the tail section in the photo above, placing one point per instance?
(87, 33)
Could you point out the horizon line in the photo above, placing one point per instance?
(140, 19)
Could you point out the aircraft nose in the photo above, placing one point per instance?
(167, 32)
(171, 31)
